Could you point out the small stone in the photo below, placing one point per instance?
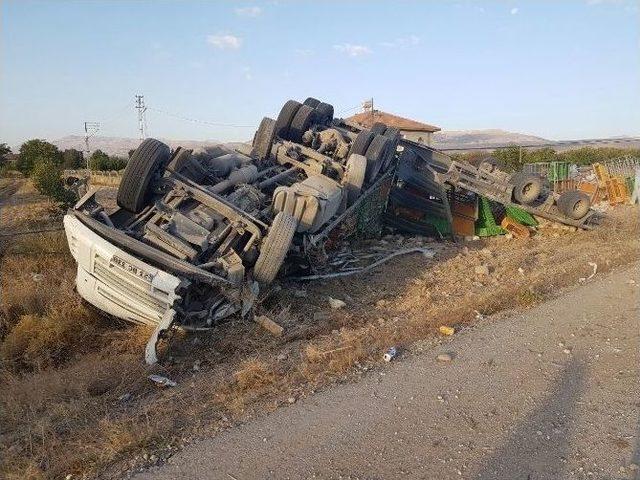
(444, 357)
(633, 467)
(300, 293)
(336, 303)
(508, 236)
(281, 357)
(482, 270)
(567, 351)
(319, 316)
(37, 277)
(291, 399)
(521, 271)
(196, 365)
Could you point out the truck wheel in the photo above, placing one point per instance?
(179, 159)
(376, 154)
(275, 247)
(311, 102)
(145, 166)
(391, 153)
(392, 133)
(283, 123)
(379, 128)
(526, 188)
(353, 178)
(324, 113)
(361, 143)
(304, 119)
(574, 204)
(263, 139)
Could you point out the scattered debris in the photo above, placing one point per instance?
(162, 381)
(445, 357)
(346, 262)
(269, 325)
(336, 303)
(445, 330)
(595, 270)
(482, 270)
(37, 277)
(390, 354)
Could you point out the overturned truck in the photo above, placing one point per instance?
(194, 236)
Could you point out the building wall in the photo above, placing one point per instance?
(421, 137)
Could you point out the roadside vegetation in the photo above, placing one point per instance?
(513, 158)
(74, 393)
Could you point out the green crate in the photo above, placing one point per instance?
(558, 171)
(520, 216)
(486, 225)
(442, 225)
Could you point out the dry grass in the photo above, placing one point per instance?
(75, 397)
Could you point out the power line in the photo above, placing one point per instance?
(195, 120)
(142, 118)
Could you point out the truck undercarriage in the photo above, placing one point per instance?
(196, 235)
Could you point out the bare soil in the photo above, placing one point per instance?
(75, 398)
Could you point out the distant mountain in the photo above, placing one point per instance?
(120, 146)
(483, 138)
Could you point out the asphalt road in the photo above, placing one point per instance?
(546, 394)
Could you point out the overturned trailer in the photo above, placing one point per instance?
(427, 181)
(194, 236)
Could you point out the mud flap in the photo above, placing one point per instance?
(150, 351)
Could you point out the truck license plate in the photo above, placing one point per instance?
(138, 272)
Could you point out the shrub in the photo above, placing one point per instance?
(102, 162)
(32, 150)
(72, 159)
(47, 178)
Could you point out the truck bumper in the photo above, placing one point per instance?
(118, 283)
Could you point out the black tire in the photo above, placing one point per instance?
(574, 204)
(379, 128)
(324, 113)
(354, 176)
(275, 247)
(376, 156)
(311, 102)
(303, 120)
(179, 159)
(145, 165)
(285, 117)
(392, 133)
(361, 143)
(526, 188)
(393, 147)
(263, 139)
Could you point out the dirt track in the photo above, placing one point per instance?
(546, 394)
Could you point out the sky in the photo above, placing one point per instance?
(563, 69)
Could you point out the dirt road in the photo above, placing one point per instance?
(549, 393)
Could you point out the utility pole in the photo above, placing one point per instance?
(142, 117)
(90, 129)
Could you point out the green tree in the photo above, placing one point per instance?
(4, 151)
(72, 159)
(47, 178)
(102, 162)
(32, 150)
